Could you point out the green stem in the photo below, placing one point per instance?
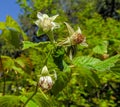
(43, 94)
(31, 96)
(51, 36)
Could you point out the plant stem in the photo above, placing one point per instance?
(31, 96)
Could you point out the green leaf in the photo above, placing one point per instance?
(101, 48)
(7, 62)
(28, 44)
(42, 101)
(61, 82)
(2, 25)
(11, 23)
(38, 100)
(86, 61)
(11, 37)
(107, 64)
(30, 103)
(9, 101)
(116, 68)
(87, 75)
(39, 32)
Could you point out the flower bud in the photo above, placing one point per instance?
(45, 82)
(45, 71)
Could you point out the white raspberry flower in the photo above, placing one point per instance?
(75, 37)
(45, 22)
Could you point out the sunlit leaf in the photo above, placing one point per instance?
(101, 48)
(30, 103)
(86, 61)
(107, 64)
(7, 62)
(28, 44)
(9, 101)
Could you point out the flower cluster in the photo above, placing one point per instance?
(47, 25)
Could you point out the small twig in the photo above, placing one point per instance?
(31, 96)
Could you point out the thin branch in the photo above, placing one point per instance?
(31, 96)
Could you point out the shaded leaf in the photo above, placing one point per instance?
(61, 82)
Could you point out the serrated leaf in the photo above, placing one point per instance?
(30, 103)
(101, 48)
(11, 37)
(116, 68)
(85, 61)
(7, 62)
(28, 44)
(9, 101)
(38, 100)
(42, 101)
(107, 64)
(87, 75)
(13, 25)
(24, 63)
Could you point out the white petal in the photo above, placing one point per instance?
(70, 29)
(40, 16)
(45, 70)
(37, 22)
(55, 25)
(49, 79)
(84, 44)
(45, 16)
(53, 17)
(55, 75)
(79, 30)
